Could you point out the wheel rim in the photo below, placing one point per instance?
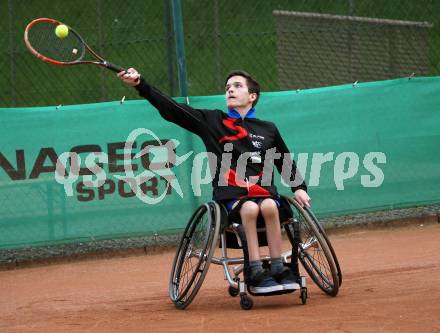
(194, 254)
(314, 252)
(189, 261)
(314, 259)
(321, 228)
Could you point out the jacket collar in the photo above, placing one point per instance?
(232, 113)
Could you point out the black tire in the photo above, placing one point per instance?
(246, 302)
(314, 252)
(303, 296)
(233, 291)
(321, 228)
(194, 254)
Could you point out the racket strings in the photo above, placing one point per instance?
(43, 39)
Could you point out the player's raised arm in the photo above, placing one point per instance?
(181, 114)
(131, 77)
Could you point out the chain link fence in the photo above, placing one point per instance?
(284, 44)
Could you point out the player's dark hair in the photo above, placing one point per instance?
(253, 85)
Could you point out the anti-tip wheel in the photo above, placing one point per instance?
(303, 296)
(233, 291)
(246, 302)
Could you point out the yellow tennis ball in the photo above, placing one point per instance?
(61, 31)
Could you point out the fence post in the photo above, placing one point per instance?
(180, 46)
(176, 9)
(219, 80)
(169, 45)
(11, 54)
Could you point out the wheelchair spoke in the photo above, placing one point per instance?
(194, 254)
(319, 264)
(311, 242)
(316, 258)
(189, 265)
(314, 250)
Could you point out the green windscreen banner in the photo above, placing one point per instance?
(113, 170)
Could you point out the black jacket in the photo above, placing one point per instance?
(222, 132)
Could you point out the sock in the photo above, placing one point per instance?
(276, 265)
(255, 267)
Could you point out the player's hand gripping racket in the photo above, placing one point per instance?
(65, 47)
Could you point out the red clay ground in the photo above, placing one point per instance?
(391, 284)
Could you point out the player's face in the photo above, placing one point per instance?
(237, 93)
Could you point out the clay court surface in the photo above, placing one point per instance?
(391, 284)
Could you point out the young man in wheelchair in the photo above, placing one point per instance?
(241, 186)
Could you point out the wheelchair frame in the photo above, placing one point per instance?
(310, 246)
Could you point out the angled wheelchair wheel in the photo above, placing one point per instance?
(194, 254)
(314, 251)
(321, 229)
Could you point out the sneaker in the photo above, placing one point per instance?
(287, 279)
(263, 283)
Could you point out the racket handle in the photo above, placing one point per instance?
(113, 67)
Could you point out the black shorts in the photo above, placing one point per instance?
(229, 204)
(284, 209)
(285, 212)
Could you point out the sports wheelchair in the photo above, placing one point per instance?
(308, 244)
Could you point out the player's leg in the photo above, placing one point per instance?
(269, 211)
(249, 213)
(282, 274)
(260, 281)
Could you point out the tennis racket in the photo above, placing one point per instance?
(41, 40)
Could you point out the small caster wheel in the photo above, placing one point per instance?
(233, 291)
(303, 296)
(246, 302)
